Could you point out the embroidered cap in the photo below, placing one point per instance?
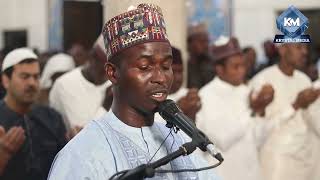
(136, 26)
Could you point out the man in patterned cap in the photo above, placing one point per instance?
(139, 67)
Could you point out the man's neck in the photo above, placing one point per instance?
(131, 116)
(286, 68)
(90, 75)
(15, 106)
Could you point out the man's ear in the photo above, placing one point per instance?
(5, 81)
(282, 49)
(112, 72)
(218, 69)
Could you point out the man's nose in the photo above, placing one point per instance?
(33, 81)
(158, 76)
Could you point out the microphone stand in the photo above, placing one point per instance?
(148, 170)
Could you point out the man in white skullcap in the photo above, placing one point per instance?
(226, 116)
(79, 94)
(56, 66)
(30, 135)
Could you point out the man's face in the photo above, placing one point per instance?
(97, 62)
(250, 58)
(269, 49)
(145, 76)
(233, 71)
(24, 83)
(79, 54)
(199, 44)
(295, 54)
(178, 77)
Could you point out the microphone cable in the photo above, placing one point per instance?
(190, 170)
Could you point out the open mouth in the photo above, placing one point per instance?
(159, 96)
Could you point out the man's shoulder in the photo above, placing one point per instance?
(8, 117)
(69, 78)
(45, 111)
(207, 87)
(89, 139)
(302, 77)
(266, 71)
(210, 90)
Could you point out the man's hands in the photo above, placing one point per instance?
(305, 98)
(259, 102)
(191, 103)
(10, 143)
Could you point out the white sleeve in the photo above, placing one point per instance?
(274, 119)
(65, 102)
(68, 166)
(312, 116)
(261, 130)
(287, 113)
(57, 101)
(224, 132)
(200, 162)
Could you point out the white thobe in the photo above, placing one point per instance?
(107, 145)
(313, 114)
(225, 117)
(77, 99)
(286, 153)
(179, 94)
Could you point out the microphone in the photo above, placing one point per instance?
(169, 111)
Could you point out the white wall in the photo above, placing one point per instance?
(255, 20)
(26, 14)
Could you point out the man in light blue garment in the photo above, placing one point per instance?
(139, 67)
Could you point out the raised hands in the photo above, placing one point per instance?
(260, 100)
(190, 104)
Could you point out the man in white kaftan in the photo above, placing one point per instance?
(226, 118)
(107, 146)
(313, 116)
(79, 94)
(287, 153)
(127, 136)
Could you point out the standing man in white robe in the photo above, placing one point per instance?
(78, 95)
(287, 153)
(225, 115)
(313, 115)
(127, 135)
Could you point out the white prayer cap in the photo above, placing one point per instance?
(221, 41)
(57, 63)
(16, 56)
